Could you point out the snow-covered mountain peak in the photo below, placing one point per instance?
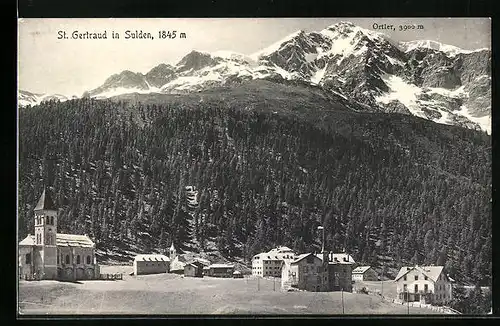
(349, 30)
(26, 98)
(276, 45)
(449, 50)
(231, 56)
(362, 65)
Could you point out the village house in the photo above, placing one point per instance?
(339, 267)
(269, 263)
(55, 256)
(221, 270)
(306, 272)
(428, 284)
(194, 269)
(237, 274)
(364, 273)
(151, 264)
(319, 272)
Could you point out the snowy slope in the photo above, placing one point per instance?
(450, 50)
(26, 98)
(446, 85)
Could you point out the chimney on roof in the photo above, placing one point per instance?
(325, 257)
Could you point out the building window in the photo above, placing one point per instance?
(426, 288)
(52, 220)
(28, 258)
(405, 287)
(78, 259)
(404, 277)
(416, 288)
(67, 259)
(425, 278)
(57, 259)
(416, 277)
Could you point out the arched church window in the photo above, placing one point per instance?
(67, 259)
(52, 220)
(57, 259)
(88, 260)
(78, 259)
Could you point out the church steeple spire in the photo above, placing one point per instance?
(45, 202)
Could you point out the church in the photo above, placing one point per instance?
(50, 255)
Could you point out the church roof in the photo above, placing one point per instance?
(63, 240)
(73, 240)
(151, 257)
(28, 241)
(45, 202)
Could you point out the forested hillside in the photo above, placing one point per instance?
(389, 189)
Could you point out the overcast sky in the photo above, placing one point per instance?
(69, 67)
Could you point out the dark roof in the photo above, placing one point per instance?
(45, 202)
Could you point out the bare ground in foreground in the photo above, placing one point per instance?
(174, 294)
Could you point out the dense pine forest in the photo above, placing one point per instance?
(389, 189)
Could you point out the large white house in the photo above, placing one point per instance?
(269, 263)
(427, 284)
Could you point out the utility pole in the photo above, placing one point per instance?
(258, 283)
(342, 294)
(382, 278)
(408, 300)
(322, 238)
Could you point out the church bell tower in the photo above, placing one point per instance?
(45, 236)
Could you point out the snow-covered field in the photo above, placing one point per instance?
(174, 294)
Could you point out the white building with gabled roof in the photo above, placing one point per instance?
(268, 264)
(151, 264)
(364, 273)
(428, 284)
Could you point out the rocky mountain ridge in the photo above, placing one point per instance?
(434, 81)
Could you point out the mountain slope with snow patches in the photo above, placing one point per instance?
(435, 81)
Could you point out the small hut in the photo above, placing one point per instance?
(221, 270)
(193, 269)
(237, 274)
